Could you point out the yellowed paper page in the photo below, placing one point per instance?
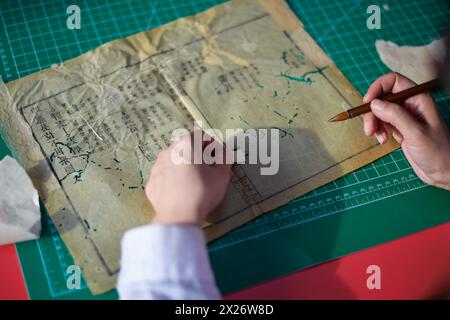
(267, 72)
(89, 130)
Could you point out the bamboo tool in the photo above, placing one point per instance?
(391, 97)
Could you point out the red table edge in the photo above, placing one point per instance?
(416, 266)
(12, 282)
(413, 267)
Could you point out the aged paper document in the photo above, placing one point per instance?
(89, 130)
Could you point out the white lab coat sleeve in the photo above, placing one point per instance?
(163, 261)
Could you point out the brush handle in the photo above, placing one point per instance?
(397, 97)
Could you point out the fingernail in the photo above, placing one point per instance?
(366, 130)
(380, 138)
(177, 139)
(377, 105)
(397, 138)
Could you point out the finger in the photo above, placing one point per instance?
(396, 116)
(392, 130)
(201, 141)
(180, 151)
(213, 153)
(398, 137)
(154, 171)
(381, 135)
(370, 124)
(195, 143)
(206, 139)
(391, 82)
(421, 105)
(424, 107)
(219, 153)
(162, 156)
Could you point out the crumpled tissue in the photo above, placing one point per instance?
(20, 216)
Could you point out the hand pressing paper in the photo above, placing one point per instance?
(94, 130)
(20, 217)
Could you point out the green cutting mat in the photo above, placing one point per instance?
(380, 202)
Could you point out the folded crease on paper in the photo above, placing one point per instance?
(20, 217)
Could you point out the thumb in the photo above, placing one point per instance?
(396, 116)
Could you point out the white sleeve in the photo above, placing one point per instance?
(165, 262)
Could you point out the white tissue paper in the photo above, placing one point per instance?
(20, 217)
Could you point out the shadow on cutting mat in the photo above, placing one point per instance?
(278, 243)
